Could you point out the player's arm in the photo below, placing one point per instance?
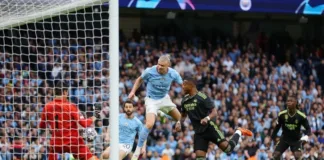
(183, 116)
(277, 128)
(308, 132)
(210, 105)
(75, 113)
(139, 81)
(183, 111)
(137, 84)
(305, 124)
(178, 78)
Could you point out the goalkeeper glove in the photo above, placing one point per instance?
(304, 138)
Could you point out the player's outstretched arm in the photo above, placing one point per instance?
(75, 113)
(183, 116)
(308, 130)
(137, 84)
(307, 127)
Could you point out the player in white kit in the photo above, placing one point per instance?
(129, 125)
(158, 80)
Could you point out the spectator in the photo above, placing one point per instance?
(248, 86)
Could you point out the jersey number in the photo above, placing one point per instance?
(56, 122)
(127, 146)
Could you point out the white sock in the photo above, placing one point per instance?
(239, 132)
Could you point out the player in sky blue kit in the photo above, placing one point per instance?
(129, 125)
(158, 80)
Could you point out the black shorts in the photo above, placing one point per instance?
(283, 145)
(211, 134)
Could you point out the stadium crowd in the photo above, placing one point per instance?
(248, 82)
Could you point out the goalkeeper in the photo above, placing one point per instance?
(63, 118)
(290, 121)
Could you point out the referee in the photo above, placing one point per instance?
(200, 110)
(290, 121)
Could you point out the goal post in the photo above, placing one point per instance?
(46, 41)
(114, 77)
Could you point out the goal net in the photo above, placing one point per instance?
(43, 42)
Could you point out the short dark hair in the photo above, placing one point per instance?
(293, 96)
(127, 101)
(190, 79)
(59, 88)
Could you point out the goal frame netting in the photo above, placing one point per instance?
(10, 22)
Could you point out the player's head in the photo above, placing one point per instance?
(188, 85)
(292, 101)
(128, 107)
(61, 89)
(164, 63)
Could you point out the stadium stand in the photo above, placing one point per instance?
(249, 86)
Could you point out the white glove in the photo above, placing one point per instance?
(304, 138)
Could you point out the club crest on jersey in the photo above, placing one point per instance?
(296, 121)
(126, 124)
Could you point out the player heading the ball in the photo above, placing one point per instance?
(158, 79)
(63, 118)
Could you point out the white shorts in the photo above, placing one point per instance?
(165, 105)
(127, 148)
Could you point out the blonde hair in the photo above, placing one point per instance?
(165, 58)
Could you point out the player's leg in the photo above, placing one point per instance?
(150, 120)
(174, 113)
(122, 154)
(80, 151)
(217, 137)
(124, 150)
(200, 146)
(169, 108)
(281, 147)
(296, 149)
(105, 154)
(151, 112)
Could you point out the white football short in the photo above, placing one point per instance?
(165, 105)
(127, 148)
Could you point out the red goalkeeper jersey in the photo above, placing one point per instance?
(63, 118)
